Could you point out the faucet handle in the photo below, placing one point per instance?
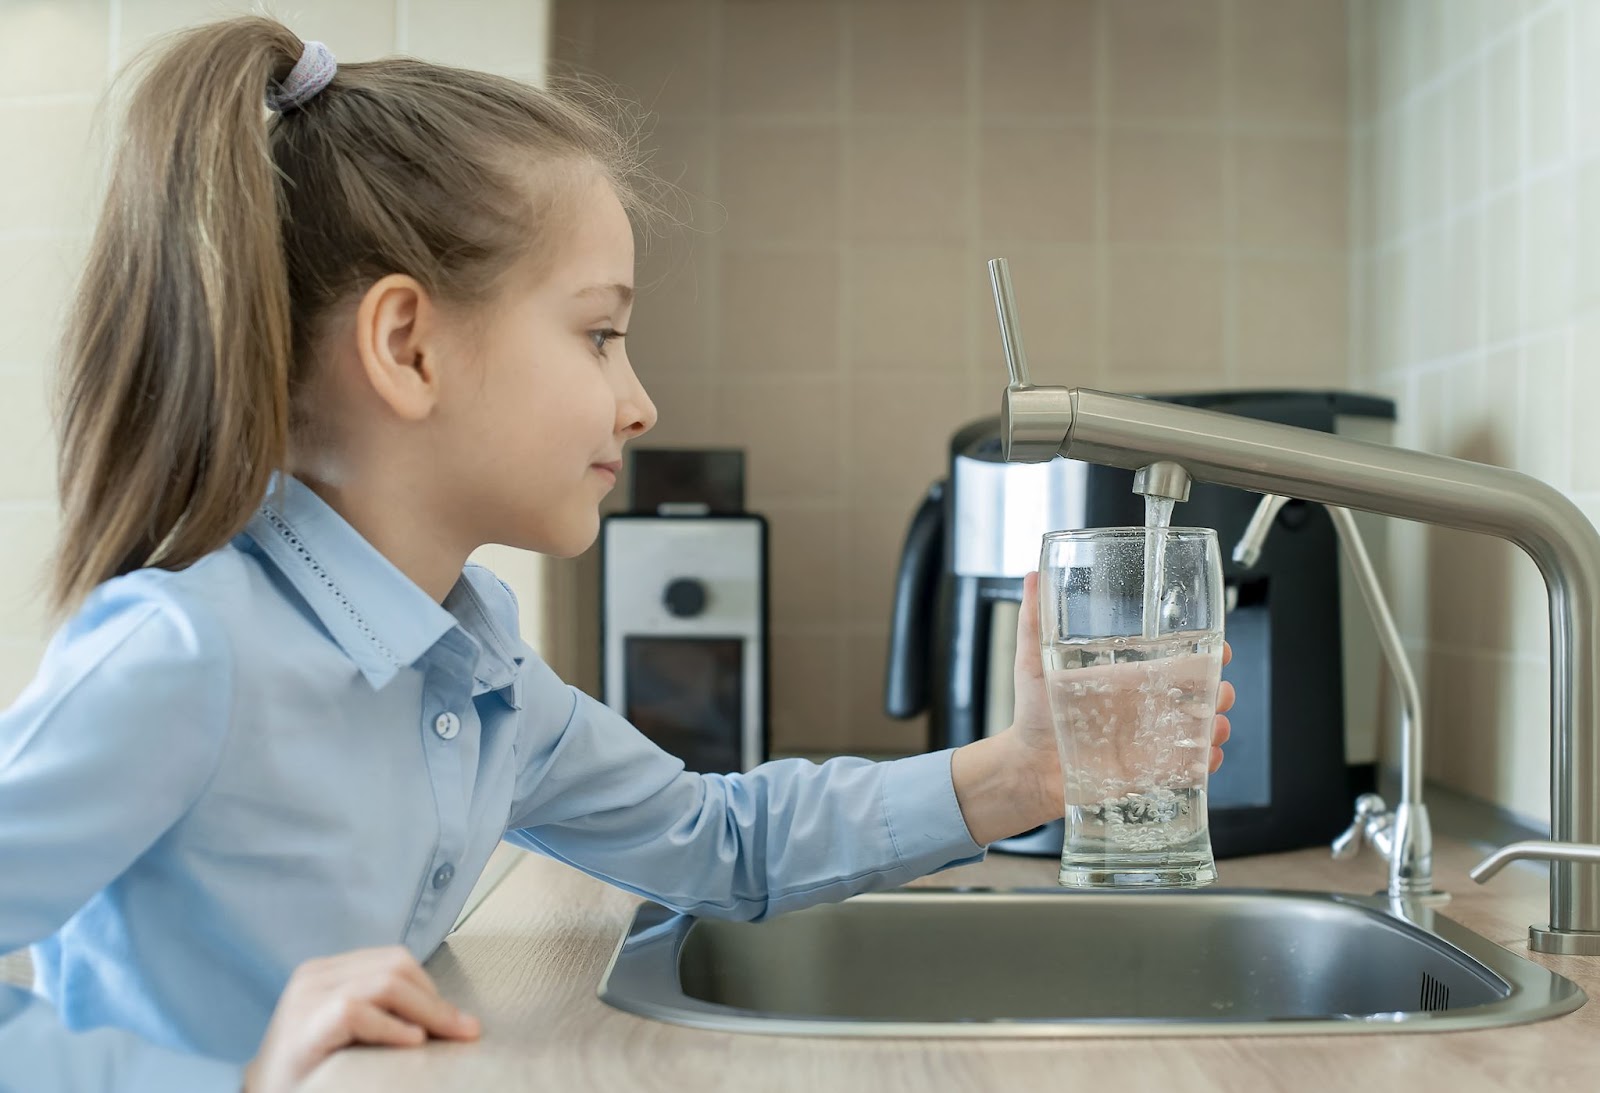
(1372, 815)
(1005, 306)
(1541, 849)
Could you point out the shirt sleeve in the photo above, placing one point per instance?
(596, 793)
(102, 753)
(38, 1055)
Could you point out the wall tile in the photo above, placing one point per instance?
(1425, 173)
(54, 48)
(1165, 188)
(670, 329)
(27, 538)
(683, 407)
(59, 189)
(871, 730)
(1036, 184)
(1292, 321)
(19, 661)
(1467, 136)
(1058, 307)
(899, 430)
(1501, 259)
(1038, 58)
(874, 537)
(806, 578)
(780, 58)
(1503, 113)
(659, 51)
(1289, 61)
(908, 309)
(27, 470)
(1547, 258)
(354, 30)
(1523, 774)
(808, 710)
(779, 313)
(1185, 290)
(1586, 89)
(37, 279)
(1426, 288)
(780, 183)
(1586, 234)
(1548, 102)
(1291, 192)
(1166, 59)
(789, 427)
(908, 57)
(907, 181)
(1464, 275)
(1463, 27)
(1543, 442)
(1585, 467)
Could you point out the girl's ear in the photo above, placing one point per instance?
(397, 341)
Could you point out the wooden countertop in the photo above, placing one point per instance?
(529, 959)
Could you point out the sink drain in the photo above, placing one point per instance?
(1435, 995)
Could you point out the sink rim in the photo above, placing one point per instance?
(642, 978)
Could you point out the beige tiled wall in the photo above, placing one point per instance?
(1168, 178)
(1476, 183)
(56, 60)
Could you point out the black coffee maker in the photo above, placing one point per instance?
(1305, 658)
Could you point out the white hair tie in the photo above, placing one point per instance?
(310, 74)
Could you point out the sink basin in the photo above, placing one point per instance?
(1046, 962)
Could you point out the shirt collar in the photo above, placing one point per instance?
(379, 617)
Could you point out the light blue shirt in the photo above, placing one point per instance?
(289, 750)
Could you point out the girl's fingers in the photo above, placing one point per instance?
(1225, 697)
(426, 1009)
(371, 1025)
(1028, 659)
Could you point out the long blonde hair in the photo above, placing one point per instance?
(228, 232)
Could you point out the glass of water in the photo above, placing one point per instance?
(1133, 695)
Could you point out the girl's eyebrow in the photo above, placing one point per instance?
(623, 293)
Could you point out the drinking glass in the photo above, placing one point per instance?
(1133, 697)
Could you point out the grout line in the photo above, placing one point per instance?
(1101, 145)
(1230, 212)
(113, 37)
(844, 369)
(61, 98)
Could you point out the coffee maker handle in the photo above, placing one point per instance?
(905, 692)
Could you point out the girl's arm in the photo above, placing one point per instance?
(104, 751)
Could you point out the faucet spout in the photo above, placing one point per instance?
(1264, 457)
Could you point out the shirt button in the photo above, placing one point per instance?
(447, 725)
(442, 875)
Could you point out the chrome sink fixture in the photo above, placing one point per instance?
(1054, 963)
(1172, 445)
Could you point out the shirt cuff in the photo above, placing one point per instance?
(923, 816)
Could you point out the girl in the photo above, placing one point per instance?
(321, 353)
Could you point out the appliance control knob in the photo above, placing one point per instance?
(685, 597)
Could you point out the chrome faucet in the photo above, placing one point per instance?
(1403, 837)
(1040, 422)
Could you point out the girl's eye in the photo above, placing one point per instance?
(603, 335)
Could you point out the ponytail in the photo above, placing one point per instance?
(175, 385)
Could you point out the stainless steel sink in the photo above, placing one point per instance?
(1043, 962)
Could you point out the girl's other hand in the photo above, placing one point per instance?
(368, 996)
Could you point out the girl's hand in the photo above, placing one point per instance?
(369, 996)
(1031, 714)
